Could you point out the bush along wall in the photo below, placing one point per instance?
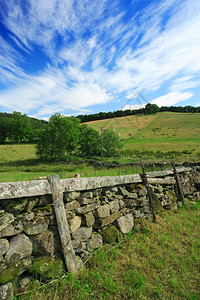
(30, 245)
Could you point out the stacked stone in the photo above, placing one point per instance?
(29, 239)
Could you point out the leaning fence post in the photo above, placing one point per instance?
(149, 190)
(178, 184)
(63, 228)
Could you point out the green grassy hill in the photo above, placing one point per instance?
(161, 132)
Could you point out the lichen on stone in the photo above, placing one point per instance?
(46, 268)
(111, 234)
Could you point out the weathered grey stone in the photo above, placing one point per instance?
(24, 282)
(89, 219)
(121, 204)
(122, 191)
(130, 202)
(82, 234)
(67, 197)
(4, 245)
(95, 241)
(20, 247)
(43, 211)
(138, 214)
(78, 263)
(15, 206)
(70, 215)
(2, 263)
(110, 219)
(30, 216)
(43, 243)
(36, 226)
(78, 246)
(72, 205)
(6, 291)
(87, 195)
(10, 190)
(13, 229)
(103, 211)
(87, 208)
(114, 206)
(31, 203)
(44, 200)
(86, 201)
(125, 223)
(5, 220)
(74, 224)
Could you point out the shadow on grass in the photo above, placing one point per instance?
(21, 163)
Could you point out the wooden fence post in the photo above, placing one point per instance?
(149, 191)
(63, 228)
(178, 184)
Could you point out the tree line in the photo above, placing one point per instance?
(148, 109)
(18, 128)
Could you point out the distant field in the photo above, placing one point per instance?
(161, 132)
(165, 136)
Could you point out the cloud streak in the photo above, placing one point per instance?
(98, 52)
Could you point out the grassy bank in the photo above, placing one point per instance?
(160, 262)
(160, 137)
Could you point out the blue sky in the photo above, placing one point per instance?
(87, 56)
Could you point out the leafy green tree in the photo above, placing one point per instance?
(4, 129)
(89, 141)
(111, 142)
(151, 108)
(59, 137)
(20, 128)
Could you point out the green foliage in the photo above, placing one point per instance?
(151, 108)
(111, 142)
(59, 137)
(89, 141)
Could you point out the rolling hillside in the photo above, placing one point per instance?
(161, 132)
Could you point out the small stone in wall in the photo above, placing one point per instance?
(125, 223)
(74, 223)
(72, 205)
(20, 247)
(36, 226)
(6, 291)
(85, 209)
(95, 241)
(114, 206)
(4, 245)
(88, 219)
(43, 243)
(5, 220)
(82, 234)
(103, 211)
(13, 229)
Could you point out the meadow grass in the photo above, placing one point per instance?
(164, 136)
(160, 261)
(161, 132)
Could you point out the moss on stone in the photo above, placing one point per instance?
(46, 268)
(18, 202)
(13, 270)
(45, 209)
(111, 234)
(158, 206)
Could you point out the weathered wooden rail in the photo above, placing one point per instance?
(10, 190)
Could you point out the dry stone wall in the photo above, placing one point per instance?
(29, 240)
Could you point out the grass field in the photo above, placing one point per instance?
(165, 136)
(160, 262)
(161, 132)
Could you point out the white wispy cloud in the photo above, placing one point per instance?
(100, 56)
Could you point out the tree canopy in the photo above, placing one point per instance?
(58, 137)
